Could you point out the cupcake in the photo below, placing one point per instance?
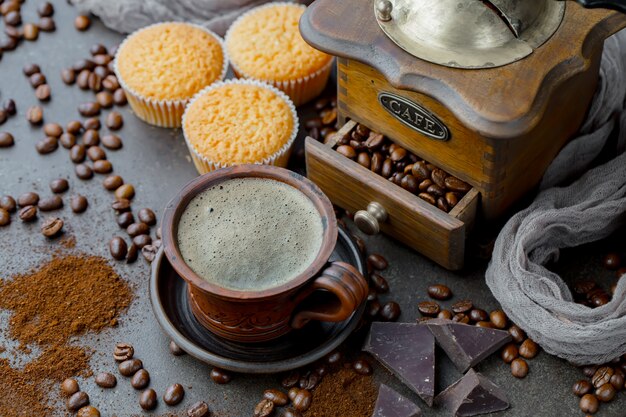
(265, 44)
(162, 66)
(239, 122)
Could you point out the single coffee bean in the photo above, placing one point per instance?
(82, 22)
(519, 368)
(347, 151)
(309, 380)
(517, 334)
(477, 314)
(373, 309)
(140, 380)
(112, 182)
(387, 168)
(28, 199)
(451, 199)
(582, 387)
(461, 318)
(88, 411)
(605, 393)
(78, 203)
(377, 262)
(8, 203)
(60, 185)
(445, 314)
(83, 171)
(51, 227)
(6, 140)
(590, 370)
(617, 380)
(220, 376)
(173, 394)
(89, 109)
(125, 219)
(45, 9)
(46, 24)
(111, 141)
(398, 154)
(589, 404)
(114, 120)
(463, 306)
(78, 400)
(43, 92)
(499, 319)
(37, 79)
(123, 352)
(364, 159)
(28, 213)
(125, 191)
(439, 292)
(362, 367)
(13, 32)
(439, 177)
(429, 308)
(82, 79)
(129, 367)
(34, 115)
(102, 166)
(142, 240)
(31, 31)
(13, 18)
(290, 380)
(199, 409)
(96, 153)
(528, 349)
(119, 97)
(487, 324)
(111, 83)
(91, 137)
(104, 99)
(74, 127)
(455, 184)
(279, 398)
(379, 283)
(121, 205)
(302, 400)
(102, 59)
(118, 249)
(264, 408)
(50, 203)
(509, 353)
(132, 254)
(106, 380)
(77, 153)
(175, 349)
(138, 228)
(148, 399)
(147, 216)
(602, 376)
(94, 82)
(68, 75)
(612, 261)
(3, 115)
(92, 123)
(69, 387)
(428, 198)
(53, 129)
(47, 145)
(390, 311)
(30, 69)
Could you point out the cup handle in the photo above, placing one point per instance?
(334, 295)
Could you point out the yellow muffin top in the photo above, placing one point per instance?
(170, 61)
(266, 44)
(238, 123)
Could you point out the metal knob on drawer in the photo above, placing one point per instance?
(368, 221)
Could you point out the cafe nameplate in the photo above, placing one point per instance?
(414, 116)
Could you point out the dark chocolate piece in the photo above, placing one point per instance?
(467, 345)
(408, 351)
(472, 395)
(391, 404)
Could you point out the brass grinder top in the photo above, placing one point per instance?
(469, 33)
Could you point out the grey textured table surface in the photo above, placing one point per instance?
(157, 163)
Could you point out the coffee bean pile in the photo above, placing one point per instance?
(515, 353)
(39, 83)
(16, 30)
(137, 229)
(375, 310)
(323, 125)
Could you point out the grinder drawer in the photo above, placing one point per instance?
(386, 207)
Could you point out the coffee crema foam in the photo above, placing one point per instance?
(250, 233)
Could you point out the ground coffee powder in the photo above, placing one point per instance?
(66, 297)
(343, 394)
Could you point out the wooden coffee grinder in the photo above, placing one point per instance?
(489, 91)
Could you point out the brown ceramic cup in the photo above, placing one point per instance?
(324, 291)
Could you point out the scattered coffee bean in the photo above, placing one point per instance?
(28, 199)
(173, 394)
(88, 411)
(46, 24)
(8, 203)
(138, 228)
(123, 352)
(499, 319)
(279, 398)
(477, 314)
(390, 311)
(6, 140)
(9, 106)
(509, 353)
(30, 69)
(83, 171)
(3, 115)
(78, 153)
(612, 261)
(28, 213)
(362, 367)
(43, 92)
(121, 205)
(114, 120)
(377, 262)
(125, 191)
(528, 349)
(37, 79)
(439, 292)
(199, 409)
(590, 370)
(82, 80)
(78, 203)
(301, 401)
(428, 308)
(53, 129)
(94, 82)
(68, 75)
(147, 216)
(617, 380)
(309, 380)
(106, 380)
(50, 203)
(89, 109)
(602, 376)
(74, 127)
(119, 97)
(220, 376)
(112, 182)
(45, 9)
(69, 387)
(463, 306)
(47, 145)
(118, 248)
(141, 379)
(175, 349)
(31, 31)
(605, 393)
(102, 166)
(91, 138)
(582, 387)
(77, 400)
(148, 399)
(34, 115)
(292, 378)
(96, 153)
(129, 367)
(461, 318)
(125, 219)
(51, 227)
(264, 408)
(373, 309)
(589, 404)
(445, 314)
(133, 252)
(82, 22)
(111, 141)
(517, 334)
(13, 18)
(519, 368)
(487, 324)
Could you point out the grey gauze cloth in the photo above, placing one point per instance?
(590, 207)
(129, 15)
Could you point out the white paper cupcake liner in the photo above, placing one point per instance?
(300, 90)
(279, 158)
(163, 113)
